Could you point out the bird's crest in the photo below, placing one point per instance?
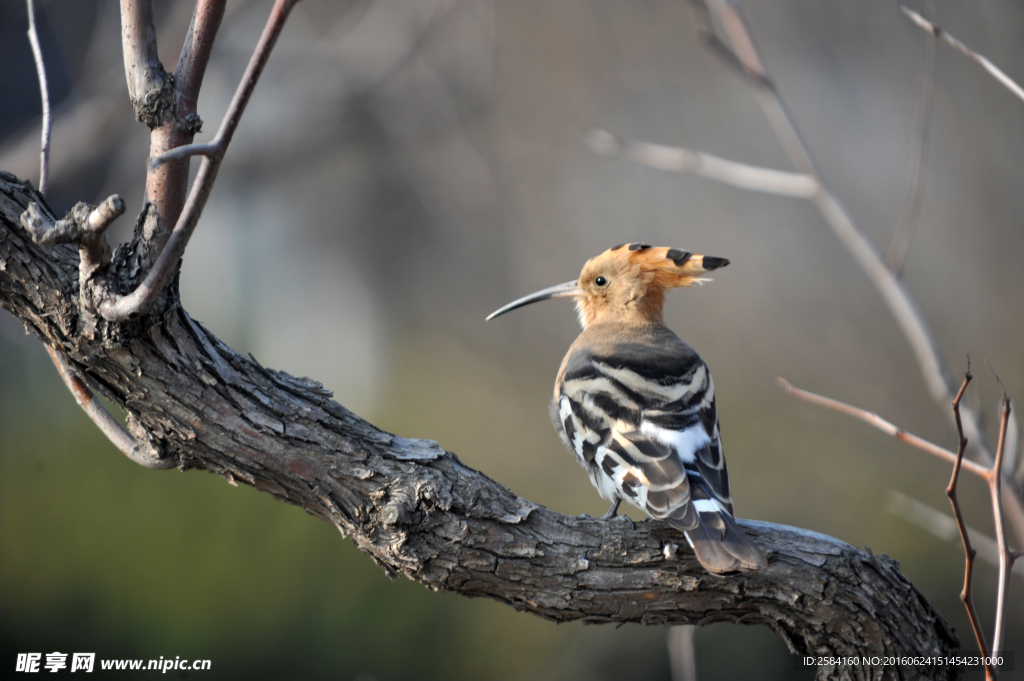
(666, 268)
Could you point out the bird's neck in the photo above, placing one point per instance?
(640, 311)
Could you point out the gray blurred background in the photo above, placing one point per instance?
(405, 168)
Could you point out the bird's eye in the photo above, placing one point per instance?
(601, 281)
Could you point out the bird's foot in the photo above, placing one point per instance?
(612, 512)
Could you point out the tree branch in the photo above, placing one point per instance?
(44, 94)
(88, 232)
(149, 86)
(418, 511)
(742, 175)
(883, 425)
(195, 54)
(993, 70)
(136, 450)
(1006, 558)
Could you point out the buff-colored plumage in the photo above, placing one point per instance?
(637, 405)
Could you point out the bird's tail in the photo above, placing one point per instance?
(721, 546)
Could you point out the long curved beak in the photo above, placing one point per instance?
(567, 290)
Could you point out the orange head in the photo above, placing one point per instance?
(627, 283)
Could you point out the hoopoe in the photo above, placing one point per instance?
(637, 405)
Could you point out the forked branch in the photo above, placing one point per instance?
(120, 308)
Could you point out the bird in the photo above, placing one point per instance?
(636, 404)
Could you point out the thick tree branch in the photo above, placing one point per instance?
(418, 511)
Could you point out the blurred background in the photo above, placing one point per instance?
(406, 167)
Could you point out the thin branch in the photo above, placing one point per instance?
(1009, 438)
(1006, 560)
(743, 56)
(899, 247)
(938, 32)
(966, 595)
(120, 308)
(883, 425)
(721, 170)
(195, 53)
(135, 450)
(211, 150)
(44, 93)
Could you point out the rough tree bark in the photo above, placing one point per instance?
(418, 511)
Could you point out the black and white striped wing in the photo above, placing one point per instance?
(642, 420)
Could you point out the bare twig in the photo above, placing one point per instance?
(883, 425)
(938, 32)
(744, 58)
(121, 308)
(966, 595)
(135, 450)
(212, 150)
(1005, 557)
(911, 213)
(722, 170)
(195, 54)
(44, 93)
